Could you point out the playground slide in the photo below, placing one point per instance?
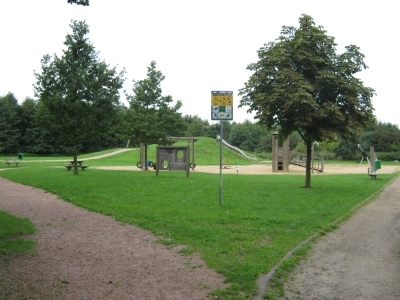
(235, 149)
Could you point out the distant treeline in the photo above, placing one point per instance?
(20, 132)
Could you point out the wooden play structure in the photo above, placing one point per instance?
(280, 154)
(190, 140)
(170, 157)
(173, 158)
(300, 159)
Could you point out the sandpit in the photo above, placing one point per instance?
(260, 169)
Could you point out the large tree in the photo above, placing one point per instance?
(78, 94)
(150, 118)
(301, 83)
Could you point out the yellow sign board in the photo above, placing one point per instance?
(221, 98)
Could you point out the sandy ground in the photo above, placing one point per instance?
(263, 169)
(84, 255)
(267, 169)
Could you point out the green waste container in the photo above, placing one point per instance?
(20, 156)
(377, 164)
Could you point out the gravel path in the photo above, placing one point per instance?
(360, 260)
(85, 255)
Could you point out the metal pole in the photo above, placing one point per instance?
(220, 161)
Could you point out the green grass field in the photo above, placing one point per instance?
(12, 231)
(261, 217)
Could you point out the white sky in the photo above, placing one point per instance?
(199, 46)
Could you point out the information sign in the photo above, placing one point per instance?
(221, 105)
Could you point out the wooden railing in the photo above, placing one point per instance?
(300, 159)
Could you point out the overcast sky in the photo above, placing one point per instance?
(199, 46)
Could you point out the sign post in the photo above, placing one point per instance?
(221, 110)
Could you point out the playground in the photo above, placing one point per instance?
(291, 165)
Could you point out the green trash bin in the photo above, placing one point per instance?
(377, 164)
(20, 156)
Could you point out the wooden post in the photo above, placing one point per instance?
(142, 156)
(274, 152)
(372, 158)
(158, 161)
(187, 159)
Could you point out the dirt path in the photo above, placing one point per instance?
(360, 260)
(90, 158)
(85, 255)
(111, 153)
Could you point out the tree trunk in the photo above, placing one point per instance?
(145, 157)
(75, 162)
(308, 162)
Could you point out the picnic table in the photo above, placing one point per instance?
(79, 163)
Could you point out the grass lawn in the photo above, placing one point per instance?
(261, 217)
(12, 229)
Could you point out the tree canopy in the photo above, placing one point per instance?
(301, 83)
(79, 2)
(78, 94)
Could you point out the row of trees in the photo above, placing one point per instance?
(22, 131)
(300, 86)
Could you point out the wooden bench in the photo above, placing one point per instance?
(69, 167)
(372, 173)
(11, 160)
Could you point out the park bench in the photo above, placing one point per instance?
(11, 160)
(372, 173)
(83, 167)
